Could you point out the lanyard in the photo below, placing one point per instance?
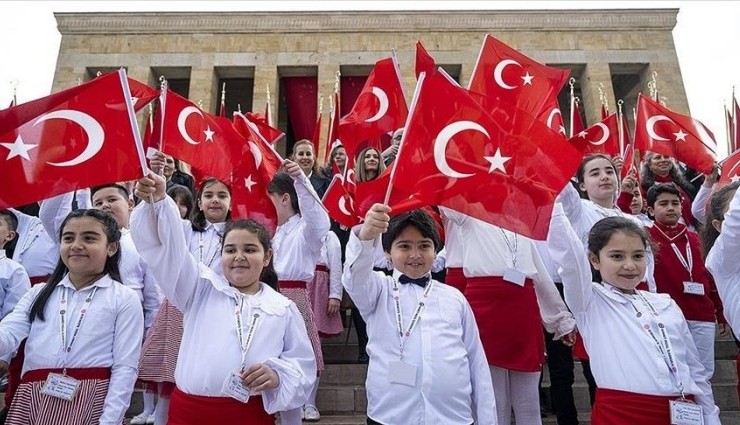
(244, 343)
(29, 241)
(512, 245)
(200, 249)
(688, 261)
(664, 344)
(63, 313)
(403, 336)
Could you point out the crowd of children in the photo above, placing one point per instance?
(217, 321)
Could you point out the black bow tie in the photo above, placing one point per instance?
(422, 281)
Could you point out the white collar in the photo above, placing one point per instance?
(266, 299)
(103, 282)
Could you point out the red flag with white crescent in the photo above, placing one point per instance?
(339, 203)
(602, 137)
(730, 169)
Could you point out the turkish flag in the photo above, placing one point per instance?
(660, 130)
(249, 196)
(730, 123)
(373, 192)
(316, 135)
(630, 167)
(503, 74)
(602, 137)
(500, 165)
(424, 62)
(730, 169)
(210, 144)
(141, 94)
(552, 116)
(268, 133)
(339, 203)
(78, 138)
(379, 110)
(152, 132)
(333, 136)
(577, 125)
(269, 160)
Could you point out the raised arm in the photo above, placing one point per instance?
(571, 202)
(312, 210)
(723, 262)
(53, 212)
(555, 315)
(334, 254)
(157, 233)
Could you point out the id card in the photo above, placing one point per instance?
(61, 386)
(686, 413)
(234, 388)
(693, 288)
(402, 373)
(514, 276)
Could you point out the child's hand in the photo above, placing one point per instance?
(150, 186)
(569, 339)
(332, 307)
(711, 179)
(292, 169)
(628, 184)
(376, 222)
(618, 163)
(260, 377)
(157, 161)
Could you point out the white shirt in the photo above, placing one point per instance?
(14, 283)
(699, 204)
(109, 336)
(453, 255)
(583, 214)
(35, 249)
(453, 382)
(623, 356)
(134, 272)
(210, 348)
(487, 253)
(331, 257)
(297, 242)
(206, 245)
(723, 262)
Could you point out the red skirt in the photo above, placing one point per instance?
(296, 291)
(614, 407)
(456, 278)
(161, 348)
(509, 322)
(35, 280)
(187, 409)
(318, 295)
(30, 407)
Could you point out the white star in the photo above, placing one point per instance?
(527, 78)
(562, 130)
(209, 134)
(680, 135)
(248, 182)
(497, 161)
(134, 99)
(18, 148)
(583, 134)
(734, 178)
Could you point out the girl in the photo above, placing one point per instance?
(244, 353)
(325, 291)
(631, 201)
(302, 223)
(159, 353)
(721, 243)
(305, 157)
(337, 161)
(204, 232)
(369, 165)
(84, 331)
(657, 168)
(642, 361)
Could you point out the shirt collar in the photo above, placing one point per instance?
(103, 282)
(2, 254)
(397, 274)
(290, 223)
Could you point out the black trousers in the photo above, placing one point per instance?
(560, 365)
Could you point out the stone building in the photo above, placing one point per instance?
(296, 55)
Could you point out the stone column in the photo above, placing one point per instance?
(203, 88)
(593, 75)
(266, 75)
(326, 77)
(670, 85)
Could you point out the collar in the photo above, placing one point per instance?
(2, 254)
(670, 233)
(103, 282)
(663, 179)
(658, 301)
(403, 279)
(289, 224)
(217, 227)
(266, 299)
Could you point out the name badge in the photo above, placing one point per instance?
(234, 388)
(61, 386)
(515, 276)
(693, 288)
(686, 413)
(402, 373)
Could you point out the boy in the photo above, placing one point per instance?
(680, 271)
(427, 363)
(14, 283)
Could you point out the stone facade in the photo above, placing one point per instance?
(618, 50)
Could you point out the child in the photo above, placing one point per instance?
(640, 357)
(96, 352)
(35, 250)
(183, 198)
(680, 273)
(302, 223)
(244, 352)
(631, 201)
(721, 241)
(427, 363)
(325, 291)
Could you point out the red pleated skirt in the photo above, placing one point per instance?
(187, 409)
(456, 278)
(509, 322)
(296, 291)
(614, 407)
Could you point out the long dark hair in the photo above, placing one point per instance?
(187, 196)
(269, 275)
(197, 216)
(602, 232)
(647, 177)
(716, 210)
(111, 267)
(281, 184)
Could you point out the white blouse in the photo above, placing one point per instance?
(109, 336)
(623, 356)
(210, 349)
(331, 257)
(35, 249)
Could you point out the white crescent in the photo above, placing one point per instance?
(257, 153)
(729, 173)
(650, 126)
(383, 99)
(184, 114)
(443, 138)
(604, 137)
(499, 70)
(95, 134)
(343, 205)
(555, 111)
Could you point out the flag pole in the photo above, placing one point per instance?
(728, 129)
(268, 108)
(15, 83)
(734, 122)
(222, 111)
(603, 100)
(620, 102)
(572, 81)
